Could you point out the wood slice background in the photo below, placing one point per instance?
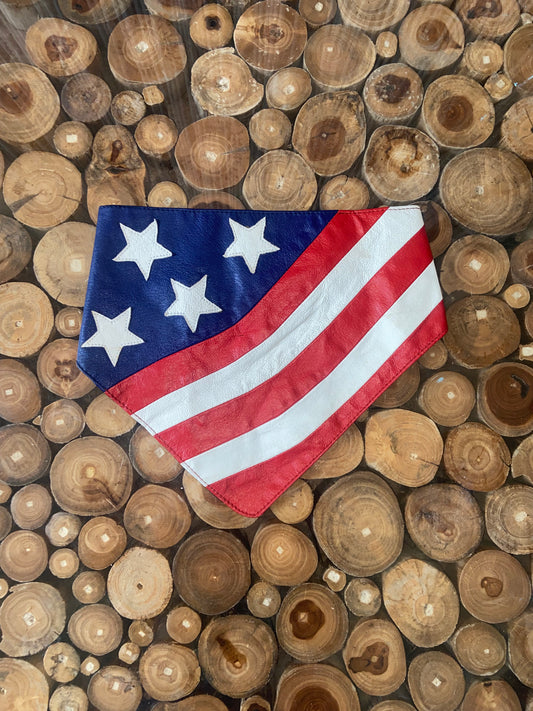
(390, 577)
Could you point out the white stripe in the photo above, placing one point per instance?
(394, 229)
(305, 416)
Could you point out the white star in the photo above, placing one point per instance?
(142, 248)
(191, 302)
(112, 334)
(249, 243)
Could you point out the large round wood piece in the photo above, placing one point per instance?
(58, 370)
(24, 454)
(24, 686)
(115, 688)
(393, 93)
(211, 571)
(237, 654)
(359, 525)
(479, 648)
(491, 694)
(23, 556)
(26, 319)
(283, 555)
(475, 264)
(91, 476)
(15, 248)
(96, 629)
(157, 516)
(213, 153)
(373, 15)
(139, 585)
(505, 397)
(169, 671)
(476, 457)
(436, 682)
(20, 394)
(151, 460)
(308, 687)
(431, 37)
(488, 190)
(495, 20)
(509, 519)
(447, 397)
(60, 48)
(280, 180)
(518, 58)
(515, 127)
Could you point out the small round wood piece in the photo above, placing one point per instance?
(494, 587)
(24, 454)
(15, 248)
(68, 696)
(156, 135)
(518, 58)
(386, 45)
(479, 647)
(237, 654)
(270, 129)
(444, 521)
(101, 541)
(211, 571)
(263, 599)
(315, 686)
(62, 528)
(107, 419)
(129, 652)
(58, 371)
(295, 504)
(151, 460)
(287, 89)
(23, 556)
(504, 398)
(23, 683)
(342, 457)
(96, 629)
(73, 140)
(401, 164)
(476, 457)
(64, 563)
(91, 476)
(61, 662)
(31, 506)
(20, 394)
(128, 107)
(141, 632)
(517, 296)
(86, 97)
(26, 319)
(89, 666)
(374, 657)
(167, 194)
(435, 357)
(68, 321)
(447, 397)
(283, 555)
(89, 587)
(475, 264)
(421, 601)
(211, 26)
(436, 682)
(374, 15)
(210, 509)
(358, 524)
(438, 227)
(393, 93)
(520, 652)
(6, 523)
(516, 129)
(62, 421)
(401, 390)
(169, 671)
(509, 519)
(157, 516)
(344, 193)
(481, 58)
(491, 694)
(362, 597)
(215, 200)
(487, 190)
(280, 180)
(139, 584)
(213, 153)
(115, 688)
(431, 38)
(183, 624)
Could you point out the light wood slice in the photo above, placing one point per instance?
(26, 319)
(393, 93)
(401, 164)
(344, 193)
(210, 509)
(91, 476)
(494, 587)
(263, 599)
(279, 180)
(222, 84)
(522, 460)
(139, 584)
(288, 88)
(151, 460)
(128, 107)
(24, 686)
(329, 131)
(431, 38)
(62, 528)
(60, 48)
(5, 492)
(29, 104)
(341, 458)
(516, 129)
(436, 682)
(169, 671)
(438, 227)
(141, 632)
(374, 657)
(58, 372)
(487, 190)
(475, 264)
(362, 597)
(476, 457)
(115, 688)
(42, 189)
(157, 516)
(520, 651)
(96, 629)
(517, 296)
(107, 419)
(93, 12)
(89, 666)
(457, 112)
(509, 519)
(24, 454)
(211, 571)
(73, 140)
(270, 129)
(481, 330)
(101, 541)
(504, 396)
(64, 563)
(447, 397)
(339, 57)
(31, 506)
(401, 390)
(295, 504)
(315, 686)
(435, 357)
(495, 20)
(129, 652)
(481, 58)
(213, 153)
(404, 446)
(386, 45)
(68, 695)
(183, 624)
(62, 259)
(20, 394)
(316, 13)
(15, 248)
(61, 662)
(270, 35)
(421, 601)
(152, 95)
(521, 268)
(6, 523)
(283, 555)
(86, 98)
(499, 87)
(156, 136)
(211, 26)
(479, 648)
(89, 587)
(62, 421)
(491, 694)
(237, 654)
(373, 16)
(444, 521)
(167, 194)
(32, 617)
(145, 49)
(215, 200)
(68, 321)
(358, 524)
(518, 58)
(312, 623)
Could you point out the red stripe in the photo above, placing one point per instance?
(253, 490)
(271, 398)
(168, 374)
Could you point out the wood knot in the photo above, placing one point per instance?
(391, 88)
(306, 619)
(16, 97)
(66, 370)
(433, 35)
(455, 113)
(272, 33)
(485, 8)
(492, 586)
(313, 698)
(83, 6)
(375, 660)
(327, 139)
(59, 48)
(231, 654)
(212, 22)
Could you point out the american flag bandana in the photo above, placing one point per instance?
(247, 342)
